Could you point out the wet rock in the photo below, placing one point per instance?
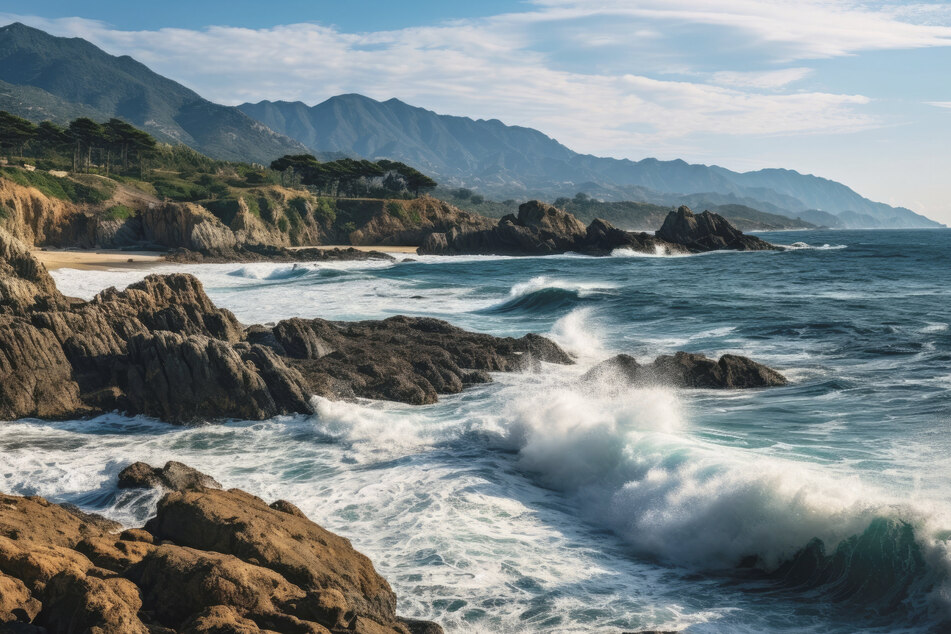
(365, 359)
(162, 348)
(707, 232)
(174, 476)
(686, 370)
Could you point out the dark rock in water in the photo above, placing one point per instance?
(684, 369)
(366, 358)
(162, 348)
(541, 229)
(272, 253)
(707, 232)
(236, 565)
(174, 476)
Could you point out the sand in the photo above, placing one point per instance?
(99, 260)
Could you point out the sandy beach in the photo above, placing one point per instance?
(98, 260)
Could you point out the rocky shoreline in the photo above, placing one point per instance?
(210, 561)
(541, 229)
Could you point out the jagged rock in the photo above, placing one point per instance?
(707, 232)
(684, 369)
(174, 476)
(181, 379)
(236, 565)
(362, 359)
(35, 375)
(541, 229)
(24, 282)
(162, 348)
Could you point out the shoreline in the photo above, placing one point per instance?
(112, 259)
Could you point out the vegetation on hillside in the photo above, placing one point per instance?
(352, 178)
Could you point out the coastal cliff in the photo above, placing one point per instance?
(210, 561)
(272, 223)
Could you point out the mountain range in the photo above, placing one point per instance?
(57, 78)
(504, 161)
(48, 77)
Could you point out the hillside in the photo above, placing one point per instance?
(503, 161)
(47, 77)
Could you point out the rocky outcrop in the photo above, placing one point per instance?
(174, 476)
(707, 232)
(162, 348)
(369, 359)
(686, 370)
(541, 229)
(270, 253)
(209, 561)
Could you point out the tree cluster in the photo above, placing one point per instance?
(89, 143)
(351, 177)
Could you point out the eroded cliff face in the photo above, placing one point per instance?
(271, 216)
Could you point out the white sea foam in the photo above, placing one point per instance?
(543, 282)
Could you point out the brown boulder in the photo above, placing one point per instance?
(80, 603)
(16, 602)
(239, 524)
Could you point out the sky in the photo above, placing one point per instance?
(858, 92)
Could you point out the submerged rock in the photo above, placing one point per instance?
(687, 370)
(209, 561)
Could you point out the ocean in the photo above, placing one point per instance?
(540, 504)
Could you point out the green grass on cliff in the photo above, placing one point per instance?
(119, 212)
(54, 187)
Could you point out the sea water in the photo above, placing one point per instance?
(540, 504)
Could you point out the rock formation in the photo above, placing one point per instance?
(162, 348)
(541, 229)
(210, 561)
(687, 370)
(270, 253)
(707, 232)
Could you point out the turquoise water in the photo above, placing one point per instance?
(537, 504)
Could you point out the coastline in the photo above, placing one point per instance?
(111, 259)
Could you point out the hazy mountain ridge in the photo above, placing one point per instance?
(516, 162)
(79, 79)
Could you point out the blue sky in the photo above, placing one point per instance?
(854, 91)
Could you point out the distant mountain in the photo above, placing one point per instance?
(503, 161)
(47, 77)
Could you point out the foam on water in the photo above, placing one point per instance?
(540, 504)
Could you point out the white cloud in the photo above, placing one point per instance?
(939, 104)
(798, 29)
(763, 80)
(482, 68)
